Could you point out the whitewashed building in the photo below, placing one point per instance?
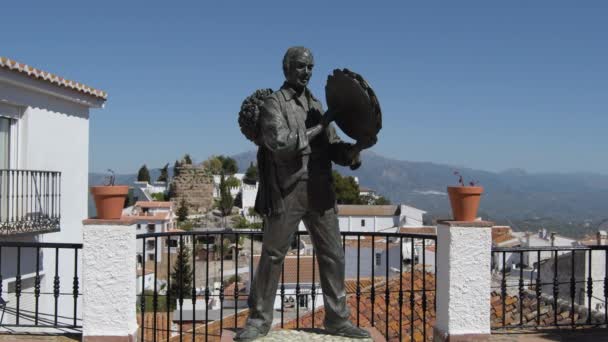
(373, 257)
(376, 218)
(305, 275)
(44, 166)
(155, 217)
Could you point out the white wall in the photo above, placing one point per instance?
(366, 259)
(372, 223)
(249, 194)
(142, 228)
(53, 135)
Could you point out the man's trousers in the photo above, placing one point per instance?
(279, 232)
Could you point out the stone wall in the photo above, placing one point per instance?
(195, 185)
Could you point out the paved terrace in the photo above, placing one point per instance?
(581, 335)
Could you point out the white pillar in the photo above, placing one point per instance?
(109, 276)
(463, 280)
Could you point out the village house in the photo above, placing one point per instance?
(153, 217)
(44, 165)
(376, 218)
(372, 257)
(156, 217)
(305, 275)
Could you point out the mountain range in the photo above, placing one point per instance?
(572, 204)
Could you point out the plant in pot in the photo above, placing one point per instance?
(464, 199)
(109, 198)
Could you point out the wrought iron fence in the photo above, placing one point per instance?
(35, 291)
(30, 201)
(200, 288)
(542, 287)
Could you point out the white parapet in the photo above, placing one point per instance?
(463, 280)
(109, 273)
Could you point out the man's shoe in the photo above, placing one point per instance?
(349, 330)
(249, 333)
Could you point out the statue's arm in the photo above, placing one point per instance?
(326, 119)
(275, 132)
(340, 152)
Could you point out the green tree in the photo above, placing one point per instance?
(217, 164)
(226, 201)
(131, 199)
(232, 182)
(175, 166)
(229, 165)
(372, 200)
(238, 200)
(251, 175)
(240, 222)
(213, 164)
(164, 174)
(187, 159)
(181, 276)
(347, 190)
(143, 175)
(159, 196)
(382, 201)
(171, 193)
(182, 211)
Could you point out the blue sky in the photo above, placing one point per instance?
(485, 84)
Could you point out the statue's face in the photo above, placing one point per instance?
(300, 70)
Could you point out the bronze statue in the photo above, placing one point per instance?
(297, 144)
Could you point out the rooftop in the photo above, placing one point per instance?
(367, 210)
(305, 270)
(14, 66)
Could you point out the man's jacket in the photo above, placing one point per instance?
(285, 155)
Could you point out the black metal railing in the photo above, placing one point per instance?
(541, 287)
(40, 285)
(202, 288)
(30, 201)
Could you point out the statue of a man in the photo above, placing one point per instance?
(297, 146)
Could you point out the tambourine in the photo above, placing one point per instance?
(356, 107)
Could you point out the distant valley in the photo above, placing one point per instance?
(570, 204)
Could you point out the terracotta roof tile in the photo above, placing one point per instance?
(430, 230)
(351, 284)
(9, 64)
(381, 323)
(291, 269)
(501, 234)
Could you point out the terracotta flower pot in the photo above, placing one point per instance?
(465, 201)
(109, 200)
